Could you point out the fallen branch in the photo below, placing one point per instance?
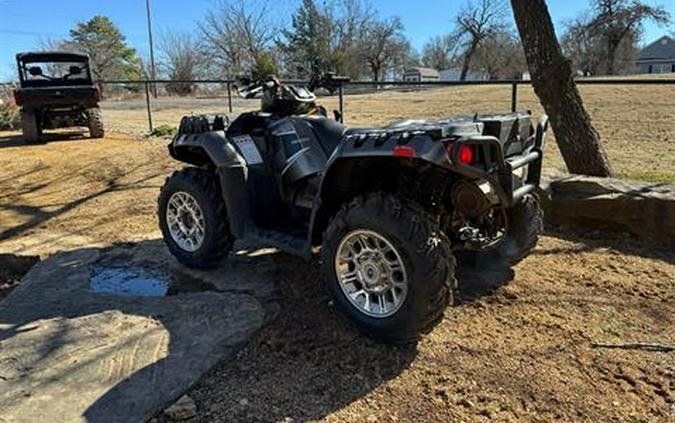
(636, 346)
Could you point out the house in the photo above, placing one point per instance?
(418, 74)
(453, 74)
(657, 57)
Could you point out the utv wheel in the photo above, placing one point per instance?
(30, 125)
(95, 121)
(193, 219)
(388, 266)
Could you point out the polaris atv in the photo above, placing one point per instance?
(389, 206)
(57, 92)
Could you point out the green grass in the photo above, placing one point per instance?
(649, 176)
(164, 131)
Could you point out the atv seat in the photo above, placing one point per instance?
(330, 132)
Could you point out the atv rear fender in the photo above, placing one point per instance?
(339, 182)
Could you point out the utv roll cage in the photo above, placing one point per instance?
(24, 59)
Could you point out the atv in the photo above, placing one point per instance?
(390, 207)
(57, 92)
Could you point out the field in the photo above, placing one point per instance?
(636, 122)
(518, 346)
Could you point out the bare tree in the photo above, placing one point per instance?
(180, 59)
(441, 52)
(616, 19)
(500, 56)
(586, 47)
(385, 47)
(474, 23)
(581, 46)
(553, 83)
(240, 32)
(351, 21)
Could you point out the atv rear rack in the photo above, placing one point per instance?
(503, 181)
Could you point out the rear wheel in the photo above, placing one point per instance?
(525, 224)
(388, 266)
(30, 125)
(193, 219)
(526, 220)
(95, 122)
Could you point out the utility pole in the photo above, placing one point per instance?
(153, 71)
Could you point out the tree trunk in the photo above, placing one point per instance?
(467, 59)
(612, 47)
(551, 73)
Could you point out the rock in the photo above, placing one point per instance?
(141, 342)
(182, 409)
(646, 210)
(466, 403)
(243, 402)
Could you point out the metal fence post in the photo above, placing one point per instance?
(342, 104)
(147, 104)
(229, 95)
(514, 96)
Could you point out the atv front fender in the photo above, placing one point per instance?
(213, 150)
(203, 149)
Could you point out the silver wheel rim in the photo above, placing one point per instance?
(185, 221)
(371, 273)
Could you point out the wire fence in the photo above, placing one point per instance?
(207, 95)
(635, 116)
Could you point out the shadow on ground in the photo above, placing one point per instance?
(122, 358)
(310, 362)
(7, 141)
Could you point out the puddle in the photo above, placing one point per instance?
(129, 281)
(139, 281)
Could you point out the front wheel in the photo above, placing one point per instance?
(388, 266)
(193, 219)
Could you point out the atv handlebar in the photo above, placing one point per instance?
(250, 88)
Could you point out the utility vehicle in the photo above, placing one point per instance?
(390, 207)
(57, 91)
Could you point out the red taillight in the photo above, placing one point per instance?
(17, 98)
(404, 151)
(465, 154)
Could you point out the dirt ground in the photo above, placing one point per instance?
(517, 347)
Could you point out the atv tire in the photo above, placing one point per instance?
(203, 188)
(425, 254)
(30, 126)
(95, 122)
(526, 223)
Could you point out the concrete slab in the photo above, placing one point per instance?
(68, 354)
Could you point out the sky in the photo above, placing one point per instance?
(25, 25)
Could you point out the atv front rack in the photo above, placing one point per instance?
(509, 189)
